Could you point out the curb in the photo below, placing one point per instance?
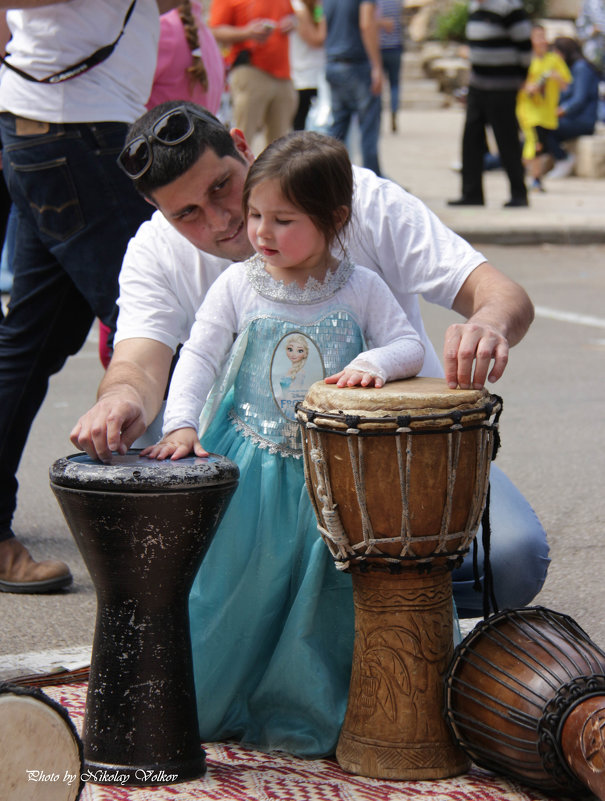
(547, 235)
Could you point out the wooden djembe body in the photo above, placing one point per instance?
(526, 699)
(398, 477)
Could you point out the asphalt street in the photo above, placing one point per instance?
(552, 448)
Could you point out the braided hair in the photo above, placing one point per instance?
(197, 70)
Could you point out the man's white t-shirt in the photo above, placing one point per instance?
(164, 277)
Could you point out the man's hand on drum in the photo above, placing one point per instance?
(468, 353)
(111, 426)
(179, 443)
(498, 313)
(350, 377)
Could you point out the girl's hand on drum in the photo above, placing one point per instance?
(179, 443)
(353, 378)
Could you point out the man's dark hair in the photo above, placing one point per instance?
(171, 161)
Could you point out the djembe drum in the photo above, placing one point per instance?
(398, 477)
(526, 698)
(41, 752)
(143, 528)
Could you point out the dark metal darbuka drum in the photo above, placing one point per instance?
(40, 750)
(398, 477)
(143, 528)
(526, 698)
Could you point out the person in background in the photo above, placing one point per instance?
(75, 75)
(307, 55)
(262, 93)
(354, 73)
(6, 229)
(590, 26)
(578, 105)
(498, 34)
(391, 49)
(537, 105)
(190, 65)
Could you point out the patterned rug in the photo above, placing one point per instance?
(239, 774)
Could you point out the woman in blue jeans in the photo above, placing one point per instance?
(578, 105)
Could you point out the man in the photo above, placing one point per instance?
(75, 75)
(262, 92)
(498, 35)
(354, 72)
(193, 171)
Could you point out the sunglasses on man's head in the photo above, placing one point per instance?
(170, 129)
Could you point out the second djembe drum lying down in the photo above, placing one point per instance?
(398, 477)
(526, 699)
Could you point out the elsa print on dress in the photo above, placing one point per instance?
(296, 364)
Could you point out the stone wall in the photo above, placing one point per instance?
(564, 9)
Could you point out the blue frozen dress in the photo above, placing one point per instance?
(272, 622)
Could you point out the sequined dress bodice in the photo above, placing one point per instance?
(314, 330)
(265, 395)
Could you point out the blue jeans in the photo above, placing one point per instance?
(8, 248)
(391, 64)
(569, 129)
(75, 212)
(518, 556)
(351, 93)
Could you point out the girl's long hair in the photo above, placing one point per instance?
(315, 175)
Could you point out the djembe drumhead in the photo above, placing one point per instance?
(40, 749)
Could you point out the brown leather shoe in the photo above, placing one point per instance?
(20, 573)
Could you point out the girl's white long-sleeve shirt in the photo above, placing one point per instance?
(245, 291)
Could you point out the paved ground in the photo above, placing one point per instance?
(552, 423)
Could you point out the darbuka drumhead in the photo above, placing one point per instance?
(40, 750)
(134, 473)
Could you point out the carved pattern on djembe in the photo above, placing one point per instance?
(403, 643)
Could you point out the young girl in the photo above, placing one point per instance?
(271, 617)
(537, 104)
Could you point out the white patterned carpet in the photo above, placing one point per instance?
(238, 774)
